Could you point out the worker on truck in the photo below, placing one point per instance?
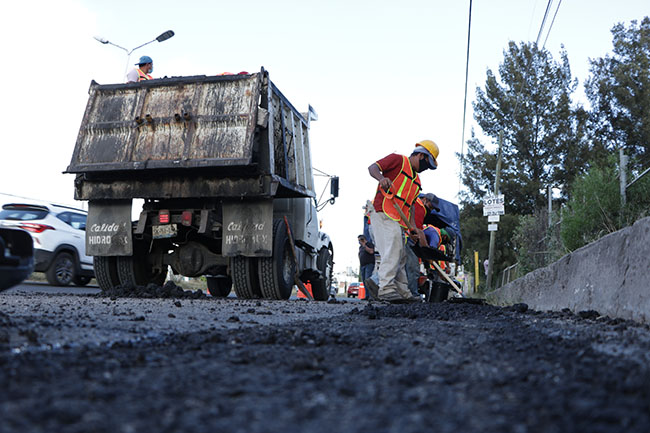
(399, 187)
(141, 73)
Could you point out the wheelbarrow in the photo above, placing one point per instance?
(435, 288)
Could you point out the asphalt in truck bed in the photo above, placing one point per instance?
(107, 364)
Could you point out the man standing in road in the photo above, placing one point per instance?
(141, 73)
(399, 186)
(366, 260)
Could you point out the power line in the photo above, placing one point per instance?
(539, 35)
(541, 28)
(552, 22)
(462, 141)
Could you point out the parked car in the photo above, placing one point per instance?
(59, 240)
(353, 289)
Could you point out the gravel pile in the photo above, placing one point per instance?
(150, 291)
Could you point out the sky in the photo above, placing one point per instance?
(381, 75)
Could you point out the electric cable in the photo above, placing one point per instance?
(462, 139)
(552, 22)
(539, 35)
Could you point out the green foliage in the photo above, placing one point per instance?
(619, 92)
(477, 238)
(595, 206)
(548, 140)
(544, 136)
(537, 244)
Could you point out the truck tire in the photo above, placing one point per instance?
(325, 264)
(244, 277)
(277, 272)
(62, 270)
(106, 272)
(136, 271)
(219, 287)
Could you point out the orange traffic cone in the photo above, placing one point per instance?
(362, 291)
(308, 287)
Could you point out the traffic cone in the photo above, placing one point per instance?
(308, 287)
(362, 291)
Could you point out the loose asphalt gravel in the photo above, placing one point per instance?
(103, 363)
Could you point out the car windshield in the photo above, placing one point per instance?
(24, 214)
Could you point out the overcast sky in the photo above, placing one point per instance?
(380, 74)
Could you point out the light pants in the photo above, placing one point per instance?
(389, 241)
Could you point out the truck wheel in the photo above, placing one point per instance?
(106, 272)
(136, 271)
(219, 287)
(62, 270)
(277, 272)
(244, 277)
(325, 264)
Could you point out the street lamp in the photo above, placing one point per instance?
(162, 37)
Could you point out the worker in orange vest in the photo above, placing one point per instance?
(141, 73)
(399, 184)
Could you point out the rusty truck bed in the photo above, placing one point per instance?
(145, 139)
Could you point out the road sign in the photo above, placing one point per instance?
(493, 205)
(493, 218)
(492, 227)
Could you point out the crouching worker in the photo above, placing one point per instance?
(399, 186)
(422, 206)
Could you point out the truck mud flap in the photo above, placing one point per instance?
(248, 228)
(108, 228)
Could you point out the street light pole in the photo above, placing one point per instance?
(162, 37)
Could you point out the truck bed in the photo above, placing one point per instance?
(210, 134)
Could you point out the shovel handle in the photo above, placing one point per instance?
(391, 196)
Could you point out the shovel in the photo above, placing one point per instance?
(296, 279)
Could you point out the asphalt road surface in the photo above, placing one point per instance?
(101, 363)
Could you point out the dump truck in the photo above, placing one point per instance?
(223, 167)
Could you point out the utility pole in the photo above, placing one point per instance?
(493, 234)
(623, 175)
(550, 207)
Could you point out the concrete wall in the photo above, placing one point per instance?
(611, 276)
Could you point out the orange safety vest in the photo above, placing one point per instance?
(442, 263)
(408, 187)
(142, 76)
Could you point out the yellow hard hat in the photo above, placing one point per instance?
(431, 147)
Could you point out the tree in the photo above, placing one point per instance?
(619, 92)
(545, 143)
(544, 135)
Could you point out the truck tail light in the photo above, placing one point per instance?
(163, 217)
(35, 228)
(186, 218)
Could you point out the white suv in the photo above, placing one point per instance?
(59, 240)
